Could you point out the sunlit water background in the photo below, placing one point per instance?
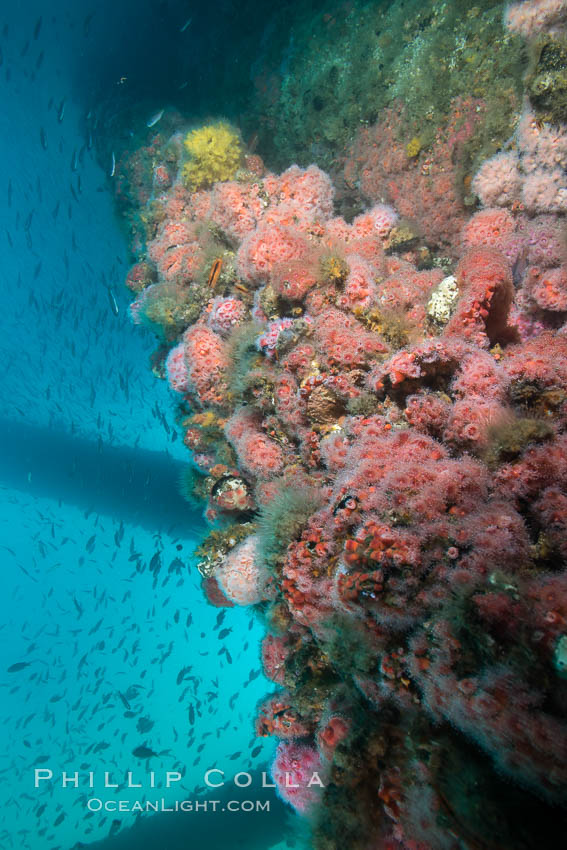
(90, 518)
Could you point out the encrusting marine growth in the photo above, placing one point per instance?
(379, 413)
(214, 154)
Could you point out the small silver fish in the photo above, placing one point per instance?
(112, 299)
(113, 169)
(186, 24)
(155, 118)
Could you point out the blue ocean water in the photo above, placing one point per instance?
(101, 607)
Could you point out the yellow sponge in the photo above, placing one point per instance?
(215, 154)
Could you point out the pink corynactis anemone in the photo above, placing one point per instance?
(266, 246)
(242, 576)
(176, 369)
(299, 775)
(498, 181)
(489, 228)
(225, 314)
(530, 17)
(545, 191)
(379, 220)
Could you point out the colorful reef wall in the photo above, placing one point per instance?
(376, 408)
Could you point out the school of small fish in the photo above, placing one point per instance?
(110, 660)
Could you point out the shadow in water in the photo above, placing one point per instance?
(209, 829)
(134, 485)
